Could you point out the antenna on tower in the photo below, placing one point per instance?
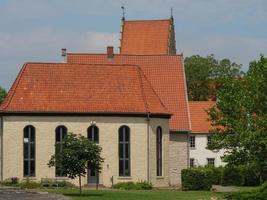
(123, 12)
(171, 13)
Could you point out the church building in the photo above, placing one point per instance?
(133, 104)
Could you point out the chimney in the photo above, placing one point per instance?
(110, 52)
(64, 55)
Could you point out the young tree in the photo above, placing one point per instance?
(240, 119)
(2, 94)
(204, 75)
(77, 152)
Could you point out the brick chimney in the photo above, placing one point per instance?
(64, 55)
(110, 52)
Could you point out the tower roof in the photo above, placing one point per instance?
(148, 37)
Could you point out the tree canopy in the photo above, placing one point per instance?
(77, 153)
(240, 119)
(204, 75)
(2, 94)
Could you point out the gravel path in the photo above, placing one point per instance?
(13, 194)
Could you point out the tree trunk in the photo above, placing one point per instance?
(80, 184)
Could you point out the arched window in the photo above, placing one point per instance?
(159, 151)
(29, 151)
(93, 134)
(124, 151)
(61, 132)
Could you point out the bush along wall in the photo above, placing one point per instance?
(202, 178)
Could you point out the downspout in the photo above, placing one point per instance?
(1, 137)
(148, 145)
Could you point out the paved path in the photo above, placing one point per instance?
(13, 194)
(219, 188)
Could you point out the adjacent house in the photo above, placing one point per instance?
(200, 136)
(133, 104)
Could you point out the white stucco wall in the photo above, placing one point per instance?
(108, 139)
(200, 153)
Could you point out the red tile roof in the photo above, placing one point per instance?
(50, 87)
(145, 37)
(199, 116)
(164, 72)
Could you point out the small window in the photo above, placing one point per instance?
(29, 151)
(124, 151)
(211, 161)
(159, 151)
(93, 134)
(192, 162)
(208, 139)
(61, 132)
(192, 141)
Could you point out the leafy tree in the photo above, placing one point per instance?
(2, 94)
(76, 154)
(204, 75)
(240, 119)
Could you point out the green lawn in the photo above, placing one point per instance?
(137, 195)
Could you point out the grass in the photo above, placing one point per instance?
(134, 195)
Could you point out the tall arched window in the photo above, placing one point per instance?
(93, 134)
(61, 132)
(124, 151)
(29, 151)
(159, 151)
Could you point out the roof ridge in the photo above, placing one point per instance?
(148, 20)
(13, 88)
(142, 89)
(155, 93)
(120, 54)
(81, 64)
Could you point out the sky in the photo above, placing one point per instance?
(36, 30)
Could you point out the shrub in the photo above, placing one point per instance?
(251, 176)
(232, 176)
(143, 185)
(201, 178)
(65, 184)
(259, 194)
(29, 184)
(13, 181)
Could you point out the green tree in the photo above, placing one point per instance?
(239, 119)
(204, 75)
(76, 155)
(2, 94)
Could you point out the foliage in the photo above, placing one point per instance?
(201, 178)
(232, 176)
(2, 94)
(204, 75)
(76, 155)
(13, 181)
(65, 184)
(259, 194)
(240, 119)
(143, 185)
(29, 185)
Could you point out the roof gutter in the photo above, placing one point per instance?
(115, 114)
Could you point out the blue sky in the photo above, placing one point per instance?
(36, 30)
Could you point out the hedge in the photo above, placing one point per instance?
(202, 178)
(142, 185)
